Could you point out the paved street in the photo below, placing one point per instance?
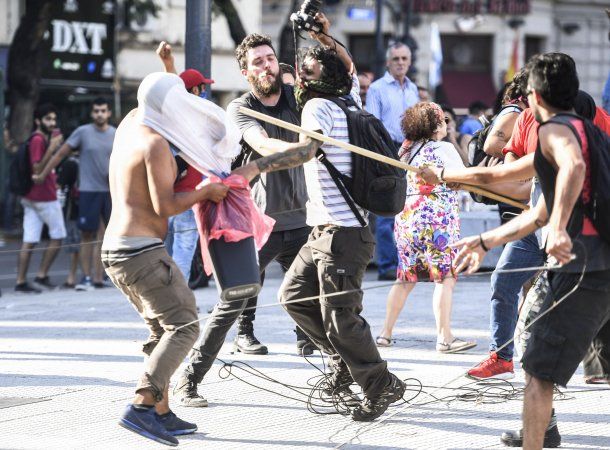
(69, 361)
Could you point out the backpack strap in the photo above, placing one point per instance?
(336, 176)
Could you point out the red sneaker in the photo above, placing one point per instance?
(493, 367)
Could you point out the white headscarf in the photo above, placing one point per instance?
(206, 137)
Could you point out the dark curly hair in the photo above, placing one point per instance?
(251, 41)
(334, 78)
(420, 121)
(516, 87)
(554, 77)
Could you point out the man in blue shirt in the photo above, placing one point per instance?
(472, 124)
(387, 99)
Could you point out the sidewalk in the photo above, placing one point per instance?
(69, 361)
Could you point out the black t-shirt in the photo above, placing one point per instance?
(283, 194)
(593, 248)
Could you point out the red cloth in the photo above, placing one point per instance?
(235, 218)
(188, 182)
(47, 190)
(524, 139)
(602, 120)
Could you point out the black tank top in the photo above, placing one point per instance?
(592, 248)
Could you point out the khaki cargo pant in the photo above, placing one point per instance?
(158, 291)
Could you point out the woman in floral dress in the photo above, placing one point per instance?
(427, 225)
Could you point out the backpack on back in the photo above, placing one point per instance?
(477, 156)
(597, 209)
(375, 186)
(20, 171)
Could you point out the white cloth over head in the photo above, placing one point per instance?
(202, 131)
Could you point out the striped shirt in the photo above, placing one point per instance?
(388, 101)
(326, 205)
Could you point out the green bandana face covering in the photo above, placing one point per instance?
(301, 94)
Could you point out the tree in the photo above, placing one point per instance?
(25, 61)
(236, 28)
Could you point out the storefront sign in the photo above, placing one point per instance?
(514, 7)
(80, 42)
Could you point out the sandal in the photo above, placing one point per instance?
(383, 341)
(597, 380)
(457, 345)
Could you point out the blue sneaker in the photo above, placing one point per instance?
(145, 423)
(175, 425)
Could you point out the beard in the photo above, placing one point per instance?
(46, 130)
(265, 88)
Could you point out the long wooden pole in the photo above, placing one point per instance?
(370, 154)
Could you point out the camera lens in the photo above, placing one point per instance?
(311, 7)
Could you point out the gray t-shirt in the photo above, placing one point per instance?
(95, 147)
(282, 194)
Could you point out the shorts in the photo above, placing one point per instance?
(91, 207)
(72, 241)
(559, 341)
(36, 215)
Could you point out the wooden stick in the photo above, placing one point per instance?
(370, 154)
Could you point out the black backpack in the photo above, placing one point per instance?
(478, 157)
(375, 186)
(20, 171)
(597, 209)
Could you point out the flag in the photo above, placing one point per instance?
(513, 64)
(435, 77)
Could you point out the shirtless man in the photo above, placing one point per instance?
(142, 175)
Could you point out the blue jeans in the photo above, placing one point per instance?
(387, 255)
(181, 240)
(506, 287)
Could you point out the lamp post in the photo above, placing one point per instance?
(379, 56)
(198, 37)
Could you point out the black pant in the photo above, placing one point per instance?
(283, 245)
(334, 260)
(561, 339)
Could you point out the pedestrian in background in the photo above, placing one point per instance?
(387, 99)
(94, 143)
(472, 124)
(429, 223)
(40, 205)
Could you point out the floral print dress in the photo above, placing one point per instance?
(430, 220)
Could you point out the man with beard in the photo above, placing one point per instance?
(281, 195)
(339, 248)
(94, 143)
(40, 205)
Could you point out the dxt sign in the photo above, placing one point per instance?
(80, 43)
(84, 38)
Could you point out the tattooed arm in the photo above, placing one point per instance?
(500, 134)
(293, 155)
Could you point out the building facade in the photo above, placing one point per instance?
(477, 36)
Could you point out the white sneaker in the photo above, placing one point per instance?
(85, 285)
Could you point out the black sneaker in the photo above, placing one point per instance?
(372, 407)
(552, 438)
(246, 342)
(339, 381)
(174, 425)
(186, 391)
(144, 422)
(44, 283)
(26, 288)
(304, 345)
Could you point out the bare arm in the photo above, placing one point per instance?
(166, 202)
(522, 169)
(53, 162)
(499, 135)
(560, 147)
(164, 51)
(54, 143)
(471, 252)
(258, 139)
(293, 155)
(328, 42)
